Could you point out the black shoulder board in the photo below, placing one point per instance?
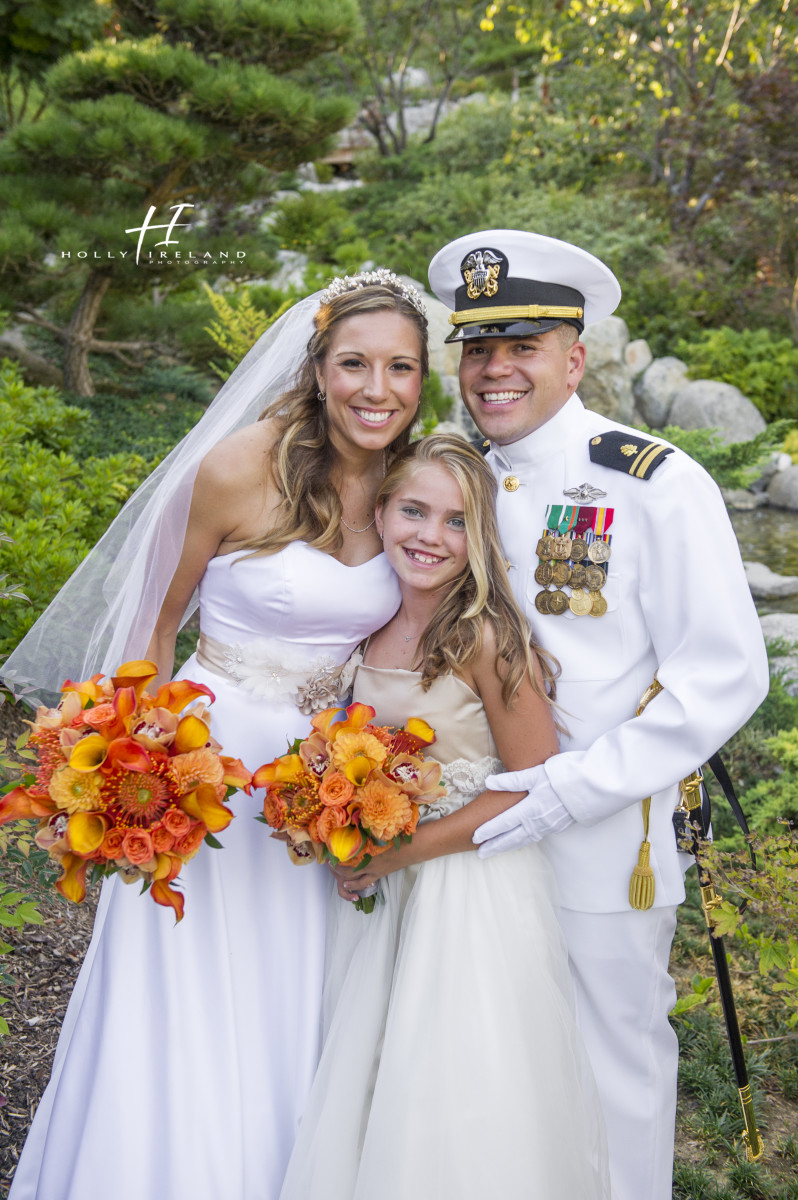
(628, 452)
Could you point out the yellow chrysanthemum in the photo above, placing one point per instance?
(348, 746)
(75, 791)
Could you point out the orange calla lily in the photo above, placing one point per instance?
(72, 884)
(357, 716)
(203, 805)
(125, 702)
(89, 753)
(192, 734)
(180, 692)
(127, 753)
(288, 769)
(16, 805)
(323, 720)
(236, 774)
(85, 832)
(87, 689)
(162, 893)
(345, 843)
(135, 674)
(358, 769)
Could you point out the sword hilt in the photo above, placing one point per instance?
(754, 1146)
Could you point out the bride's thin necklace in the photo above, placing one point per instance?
(366, 528)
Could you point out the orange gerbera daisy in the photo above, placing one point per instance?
(384, 809)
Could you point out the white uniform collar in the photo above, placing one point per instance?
(543, 442)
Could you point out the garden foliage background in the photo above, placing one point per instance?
(660, 136)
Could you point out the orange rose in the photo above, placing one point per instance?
(112, 844)
(188, 845)
(137, 846)
(329, 819)
(176, 821)
(275, 809)
(336, 789)
(162, 839)
(384, 809)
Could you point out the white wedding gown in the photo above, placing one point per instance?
(452, 1068)
(188, 1051)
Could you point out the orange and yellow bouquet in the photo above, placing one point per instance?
(125, 783)
(351, 789)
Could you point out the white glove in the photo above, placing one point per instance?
(540, 812)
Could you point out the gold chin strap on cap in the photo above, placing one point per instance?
(642, 884)
(515, 312)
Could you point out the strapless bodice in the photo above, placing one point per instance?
(298, 595)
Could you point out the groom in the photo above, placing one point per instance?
(621, 553)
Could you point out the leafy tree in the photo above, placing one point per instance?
(664, 81)
(33, 35)
(188, 109)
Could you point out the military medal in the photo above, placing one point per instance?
(598, 605)
(578, 576)
(544, 547)
(578, 549)
(543, 573)
(542, 601)
(599, 551)
(562, 547)
(560, 573)
(558, 602)
(594, 577)
(581, 602)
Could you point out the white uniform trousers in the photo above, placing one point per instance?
(619, 962)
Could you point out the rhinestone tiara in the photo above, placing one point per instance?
(351, 283)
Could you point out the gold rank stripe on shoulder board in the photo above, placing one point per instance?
(629, 452)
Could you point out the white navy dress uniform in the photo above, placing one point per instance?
(674, 600)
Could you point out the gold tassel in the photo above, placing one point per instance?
(642, 884)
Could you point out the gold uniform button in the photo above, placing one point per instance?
(511, 483)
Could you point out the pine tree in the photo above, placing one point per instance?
(185, 103)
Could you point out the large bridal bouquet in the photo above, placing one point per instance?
(350, 789)
(124, 783)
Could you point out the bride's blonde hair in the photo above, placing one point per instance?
(453, 638)
(302, 456)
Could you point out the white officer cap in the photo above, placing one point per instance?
(509, 283)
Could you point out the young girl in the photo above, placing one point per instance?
(452, 1068)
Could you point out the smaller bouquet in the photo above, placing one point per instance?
(124, 783)
(350, 790)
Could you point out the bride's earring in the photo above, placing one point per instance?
(321, 397)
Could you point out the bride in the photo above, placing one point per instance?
(187, 1052)
(451, 1068)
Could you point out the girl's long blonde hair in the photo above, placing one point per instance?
(453, 638)
(303, 456)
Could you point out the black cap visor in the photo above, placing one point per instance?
(510, 329)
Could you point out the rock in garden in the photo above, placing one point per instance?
(637, 356)
(442, 358)
(782, 627)
(709, 404)
(742, 500)
(656, 388)
(783, 489)
(766, 584)
(606, 385)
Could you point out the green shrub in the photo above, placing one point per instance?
(763, 367)
(731, 465)
(55, 502)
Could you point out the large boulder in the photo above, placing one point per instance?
(606, 385)
(709, 404)
(766, 584)
(637, 356)
(655, 389)
(783, 489)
